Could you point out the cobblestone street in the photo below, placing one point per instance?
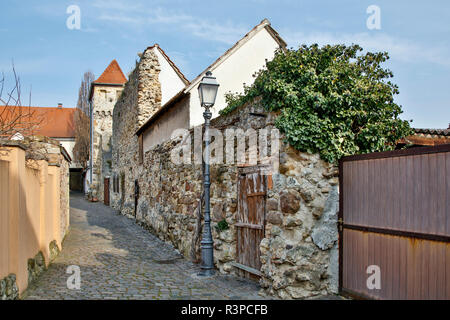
(120, 260)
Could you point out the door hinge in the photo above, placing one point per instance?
(340, 224)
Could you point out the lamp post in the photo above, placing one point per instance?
(207, 91)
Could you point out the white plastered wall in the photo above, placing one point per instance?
(236, 70)
(171, 82)
(68, 144)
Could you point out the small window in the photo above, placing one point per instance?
(115, 183)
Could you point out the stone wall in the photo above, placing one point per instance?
(104, 97)
(299, 252)
(140, 99)
(8, 288)
(64, 197)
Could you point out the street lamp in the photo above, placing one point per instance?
(207, 91)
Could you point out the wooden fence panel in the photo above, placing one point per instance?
(395, 214)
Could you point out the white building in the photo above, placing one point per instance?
(234, 68)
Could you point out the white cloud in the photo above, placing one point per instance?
(120, 18)
(161, 16)
(399, 49)
(227, 33)
(117, 5)
(137, 16)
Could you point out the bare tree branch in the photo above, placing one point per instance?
(81, 148)
(15, 118)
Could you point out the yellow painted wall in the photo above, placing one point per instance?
(30, 213)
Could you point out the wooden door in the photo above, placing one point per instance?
(106, 191)
(250, 220)
(136, 196)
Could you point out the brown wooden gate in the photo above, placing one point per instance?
(106, 191)
(250, 220)
(395, 214)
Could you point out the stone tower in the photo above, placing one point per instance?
(105, 91)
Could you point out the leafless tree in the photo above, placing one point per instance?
(83, 92)
(14, 118)
(81, 121)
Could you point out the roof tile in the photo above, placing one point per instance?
(437, 132)
(112, 74)
(54, 122)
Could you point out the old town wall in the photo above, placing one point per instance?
(140, 99)
(299, 254)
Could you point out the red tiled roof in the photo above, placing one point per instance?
(54, 122)
(112, 75)
(427, 137)
(437, 132)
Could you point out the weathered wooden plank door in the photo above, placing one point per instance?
(250, 220)
(106, 191)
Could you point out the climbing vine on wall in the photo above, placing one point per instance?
(333, 100)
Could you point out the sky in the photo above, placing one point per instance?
(50, 57)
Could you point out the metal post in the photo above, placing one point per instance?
(207, 241)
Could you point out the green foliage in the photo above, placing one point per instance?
(235, 100)
(222, 225)
(332, 100)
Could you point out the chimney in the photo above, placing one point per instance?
(60, 105)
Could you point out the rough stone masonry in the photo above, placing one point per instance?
(104, 97)
(298, 253)
(140, 99)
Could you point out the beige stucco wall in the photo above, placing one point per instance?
(30, 211)
(177, 117)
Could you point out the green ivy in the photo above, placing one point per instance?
(222, 225)
(331, 100)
